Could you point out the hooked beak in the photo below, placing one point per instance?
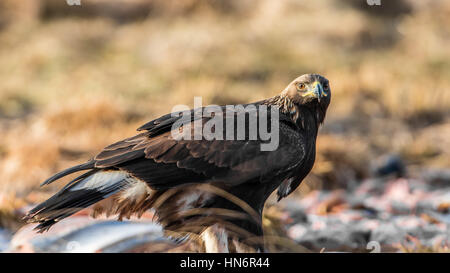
(315, 91)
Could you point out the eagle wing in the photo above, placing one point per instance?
(162, 161)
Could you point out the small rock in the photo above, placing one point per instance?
(392, 164)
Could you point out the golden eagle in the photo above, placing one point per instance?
(196, 183)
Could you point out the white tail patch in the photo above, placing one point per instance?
(101, 180)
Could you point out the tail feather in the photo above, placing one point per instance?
(84, 191)
(82, 167)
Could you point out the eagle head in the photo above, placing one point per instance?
(309, 90)
(312, 89)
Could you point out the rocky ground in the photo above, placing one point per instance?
(396, 214)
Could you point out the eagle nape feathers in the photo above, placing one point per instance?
(197, 183)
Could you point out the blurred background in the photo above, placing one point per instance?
(74, 79)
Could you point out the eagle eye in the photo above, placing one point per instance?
(325, 85)
(300, 86)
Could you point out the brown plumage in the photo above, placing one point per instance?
(196, 184)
